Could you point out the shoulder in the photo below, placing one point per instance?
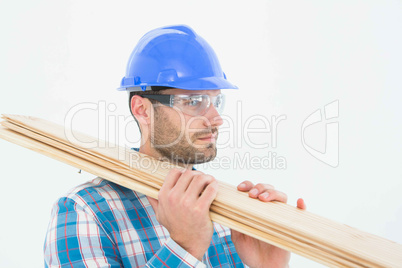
(99, 196)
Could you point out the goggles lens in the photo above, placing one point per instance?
(191, 104)
(197, 104)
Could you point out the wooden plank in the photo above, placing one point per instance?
(66, 157)
(299, 231)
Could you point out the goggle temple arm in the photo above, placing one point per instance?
(164, 99)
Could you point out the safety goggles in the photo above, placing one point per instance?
(191, 104)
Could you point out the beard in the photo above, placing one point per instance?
(176, 146)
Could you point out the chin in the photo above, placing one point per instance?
(208, 155)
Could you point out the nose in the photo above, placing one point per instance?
(214, 117)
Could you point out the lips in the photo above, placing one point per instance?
(211, 137)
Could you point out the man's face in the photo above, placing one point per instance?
(184, 138)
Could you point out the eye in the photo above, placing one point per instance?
(192, 101)
(218, 101)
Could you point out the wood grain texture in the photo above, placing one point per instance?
(304, 233)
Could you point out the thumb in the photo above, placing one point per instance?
(154, 203)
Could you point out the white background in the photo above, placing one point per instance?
(287, 57)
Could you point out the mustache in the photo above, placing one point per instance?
(206, 132)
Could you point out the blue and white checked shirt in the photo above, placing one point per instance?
(102, 224)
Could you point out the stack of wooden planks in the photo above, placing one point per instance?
(301, 232)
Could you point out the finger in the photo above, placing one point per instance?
(273, 195)
(171, 179)
(208, 196)
(259, 188)
(184, 181)
(301, 204)
(245, 186)
(197, 185)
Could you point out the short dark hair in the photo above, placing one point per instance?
(155, 90)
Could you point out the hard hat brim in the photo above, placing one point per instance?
(206, 83)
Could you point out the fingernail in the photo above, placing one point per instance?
(254, 192)
(242, 185)
(264, 195)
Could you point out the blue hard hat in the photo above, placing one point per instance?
(174, 56)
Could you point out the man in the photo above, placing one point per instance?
(174, 82)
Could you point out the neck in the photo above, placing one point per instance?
(144, 149)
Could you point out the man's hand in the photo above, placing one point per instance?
(254, 252)
(183, 209)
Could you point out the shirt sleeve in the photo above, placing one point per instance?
(75, 239)
(172, 254)
(223, 246)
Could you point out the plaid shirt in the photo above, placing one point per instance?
(102, 224)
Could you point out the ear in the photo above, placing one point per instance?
(140, 108)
